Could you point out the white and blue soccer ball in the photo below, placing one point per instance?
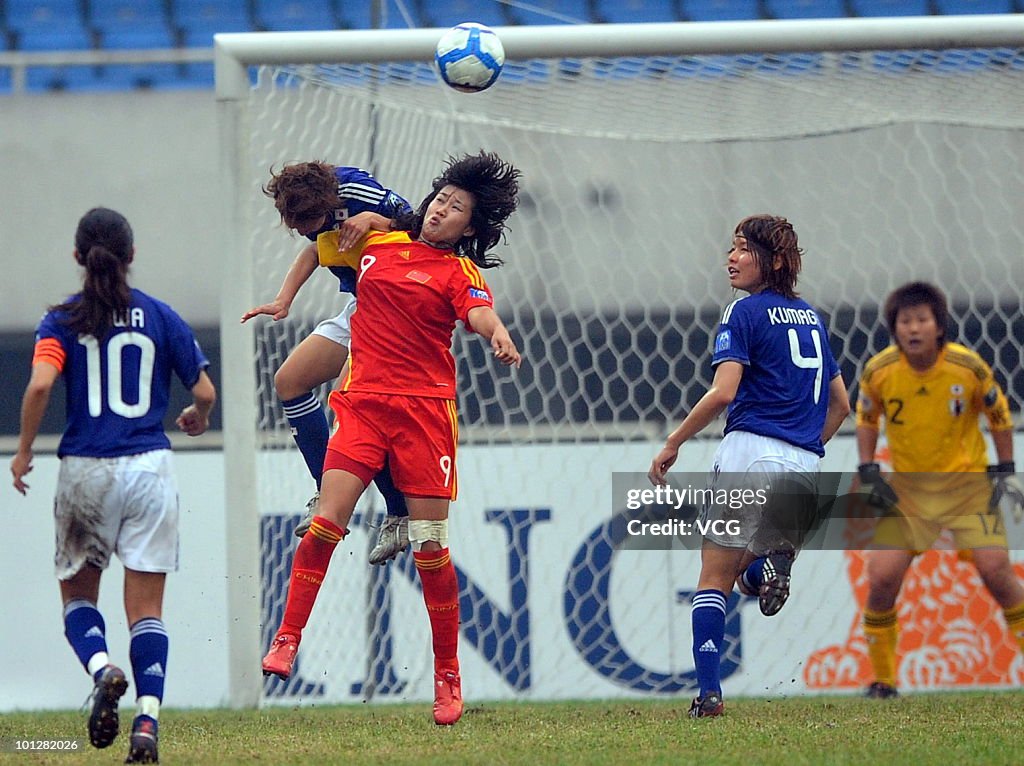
(469, 57)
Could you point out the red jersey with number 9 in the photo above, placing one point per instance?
(410, 295)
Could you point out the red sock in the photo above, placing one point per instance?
(308, 570)
(441, 594)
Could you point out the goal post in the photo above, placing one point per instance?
(892, 144)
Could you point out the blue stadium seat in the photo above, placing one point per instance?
(954, 7)
(552, 12)
(61, 37)
(106, 14)
(634, 11)
(149, 35)
(448, 14)
(890, 7)
(57, 37)
(24, 14)
(295, 15)
(805, 9)
(720, 10)
(199, 20)
(359, 15)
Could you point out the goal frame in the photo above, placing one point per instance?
(236, 52)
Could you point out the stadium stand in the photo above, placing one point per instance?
(890, 7)
(805, 9)
(199, 20)
(455, 12)
(73, 25)
(37, 30)
(21, 15)
(955, 7)
(551, 12)
(298, 15)
(720, 10)
(360, 15)
(635, 11)
(107, 15)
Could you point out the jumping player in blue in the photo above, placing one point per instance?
(116, 348)
(313, 198)
(775, 373)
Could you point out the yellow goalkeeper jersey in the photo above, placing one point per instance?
(931, 417)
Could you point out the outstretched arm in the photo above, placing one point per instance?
(723, 390)
(302, 268)
(485, 321)
(33, 407)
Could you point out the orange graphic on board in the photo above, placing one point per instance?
(952, 633)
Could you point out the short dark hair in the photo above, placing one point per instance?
(917, 294)
(303, 191)
(494, 185)
(768, 237)
(104, 244)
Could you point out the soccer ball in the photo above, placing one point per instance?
(469, 57)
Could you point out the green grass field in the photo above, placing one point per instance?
(920, 729)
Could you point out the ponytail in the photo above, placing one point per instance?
(104, 246)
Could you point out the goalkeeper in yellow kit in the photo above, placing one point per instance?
(930, 393)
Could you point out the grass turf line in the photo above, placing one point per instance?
(918, 729)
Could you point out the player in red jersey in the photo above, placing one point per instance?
(398, 402)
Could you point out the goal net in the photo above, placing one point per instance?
(896, 159)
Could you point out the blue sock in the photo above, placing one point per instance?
(708, 616)
(87, 633)
(148, 652)
(753, 575)
(309, 430)
(393, 498)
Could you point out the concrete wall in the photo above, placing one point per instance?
(150, 155)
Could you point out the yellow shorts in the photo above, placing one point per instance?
(922, 514)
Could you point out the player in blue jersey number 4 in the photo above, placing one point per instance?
(775, 373)
(116, 348)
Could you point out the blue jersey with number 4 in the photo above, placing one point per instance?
(359, 192)
(788, 366)
(118, 387)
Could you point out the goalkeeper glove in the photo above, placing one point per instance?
(1006, 488)
(882, 496)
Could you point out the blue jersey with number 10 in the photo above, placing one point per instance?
(788, 366)
(118, 387)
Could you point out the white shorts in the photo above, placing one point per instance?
(127, 505)
(751, 462)
(339, 328)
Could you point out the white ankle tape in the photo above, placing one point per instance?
(422, 531)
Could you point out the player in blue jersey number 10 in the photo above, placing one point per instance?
(776, 375)
(116, 348)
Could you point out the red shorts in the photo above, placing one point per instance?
(415, 434)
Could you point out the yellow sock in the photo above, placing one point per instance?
(881, 630)
(1015, 622)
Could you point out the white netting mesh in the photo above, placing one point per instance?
(893, 165)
